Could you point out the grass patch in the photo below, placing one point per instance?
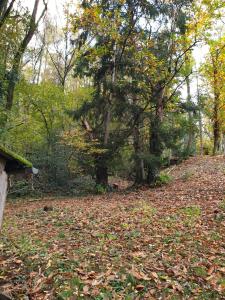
(187, 175)
(190, 214)
(162, 179)
(200, 271)
(145, 209)
(222, 205)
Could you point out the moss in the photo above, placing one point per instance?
(15, 156)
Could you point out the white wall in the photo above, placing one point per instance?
(3, 189)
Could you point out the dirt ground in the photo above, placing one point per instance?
(161, 243)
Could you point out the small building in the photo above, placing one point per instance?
(11, 163)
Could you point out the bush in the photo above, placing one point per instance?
(162, 179)
(82, 185)
(207, 147)
(20, 188)
(100, 189)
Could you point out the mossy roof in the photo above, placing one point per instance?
(14, 157)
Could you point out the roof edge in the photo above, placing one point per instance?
(16, 157)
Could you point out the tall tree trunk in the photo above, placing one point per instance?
(155, 150)
(14, 73)
(101, 171)
(200, 118)
(5, 10)
(223, 143)
(190, 141)
(217, 136)
(37, 76)
(216, 109)
(139, 162)
(201, 132)
(155, 143)
(101, 165)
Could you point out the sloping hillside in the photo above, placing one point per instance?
(162, 243)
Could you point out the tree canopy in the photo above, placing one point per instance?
(116, 89)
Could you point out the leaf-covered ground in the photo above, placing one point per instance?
(162, 243)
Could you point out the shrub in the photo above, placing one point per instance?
(20, 188)
(100, 189)
(222, 205)
(162, 179)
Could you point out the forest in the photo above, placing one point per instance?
(120, 88)
(120, 105)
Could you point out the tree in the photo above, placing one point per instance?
(170, 48)
(108, 32)
(5, 10)
(113, 44)
(214, 72)
(64, 54)
(14, 71)
(211, 32)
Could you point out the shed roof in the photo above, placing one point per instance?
(14, 162)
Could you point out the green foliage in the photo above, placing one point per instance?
(119, 107)
(20, 188)
(192, 211)
(82, 185)
(201, 271)
(207, 147)
(162, 179)
(100, 189)
(37, 123)
(222, 205)
(145, 209)
(191, 214)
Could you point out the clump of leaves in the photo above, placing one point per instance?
(162, 179)
(222, 205)
(200, 271)
(100, 189)
(191, 213)
(215, 236)
(70, 288)
(187, 175)
(20, 188)
(144, 208)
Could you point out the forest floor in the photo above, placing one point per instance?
(161, 243)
